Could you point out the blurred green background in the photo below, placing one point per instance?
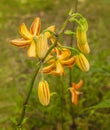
(16, 69)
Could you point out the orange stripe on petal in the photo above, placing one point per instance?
(68, 62)
(65, 54)
(35, 26)
(49, 68)
(20, 42)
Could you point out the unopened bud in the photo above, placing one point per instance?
(82, 62)
(42, 46)
(44, 93)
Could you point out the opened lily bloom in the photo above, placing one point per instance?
(31, 37)
(61, 59)
(44, 93)
(74, 91)
(82, 62)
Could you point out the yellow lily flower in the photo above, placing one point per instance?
(31, 37)
(82, 62)
(56, 64)
(74, 91)
(44, 93)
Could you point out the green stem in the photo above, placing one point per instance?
(72, 39)
(27, 98)
(70, 71)
(70, 48)
(64, 25)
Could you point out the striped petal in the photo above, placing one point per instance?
(59, 70)
(25, 32)
(32, 50)
(78, 85)
(35, 27)
(49, 69)
(82, 62)
(68, 62)
(20, 42)
(65, 54)
(84, 48)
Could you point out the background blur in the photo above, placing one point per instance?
(16, 69)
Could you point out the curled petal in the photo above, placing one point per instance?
(68, 62)
(20, 42)
(25, 32)
(82, 62)
(51, 29)
(65, 54)
(35, 27)
(49, 68)
(78, 85)
(59, 69)
(44, 93)
(32, 50)
(74, 97)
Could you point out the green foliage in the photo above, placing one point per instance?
(103, 104)
(16, 70)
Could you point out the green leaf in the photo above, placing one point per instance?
(103, 104)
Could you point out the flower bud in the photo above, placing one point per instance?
(82, 62)
(42, 46)
(82, 40)
(44, 93)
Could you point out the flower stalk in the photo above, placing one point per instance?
(19, 124)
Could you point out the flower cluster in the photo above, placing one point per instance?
(52, 55)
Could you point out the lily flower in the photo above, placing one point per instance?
(44, 93)
(74, 91)
(82, 62)
(31, 37)
(62, 59)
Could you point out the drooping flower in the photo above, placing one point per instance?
(74, 91)
(81, 35)
(56, 65)
(82, 42)
(44, 93)
(31, 37)
(82, 62)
